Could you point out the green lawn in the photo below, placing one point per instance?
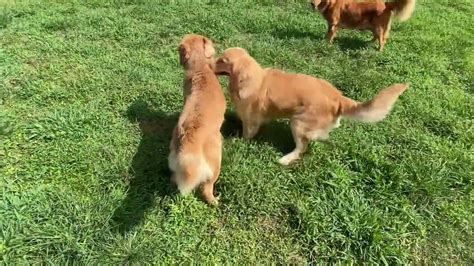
(90, 90)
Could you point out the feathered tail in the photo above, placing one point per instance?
(402, 9)
(374, 110)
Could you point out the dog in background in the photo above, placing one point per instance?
(196, 144)
(375, 16)
(314, 106)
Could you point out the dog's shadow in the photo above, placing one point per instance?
(275, 133)
(345, 43)
(296, 34)
(148, 175)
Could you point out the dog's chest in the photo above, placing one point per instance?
(243, 108)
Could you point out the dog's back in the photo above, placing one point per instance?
(361, 14)
(289, 91)
(203, 111)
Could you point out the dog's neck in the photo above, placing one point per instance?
(194, 74)
(192, 69)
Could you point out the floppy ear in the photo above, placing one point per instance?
(208, 48)
(246, 92)
(183, 53)
(243, 73)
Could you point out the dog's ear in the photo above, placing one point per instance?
(184, 55)
(208, 48)
(243, 70)
(246, 92)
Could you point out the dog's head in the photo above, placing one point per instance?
(196, 49)
(242, 69)
(232, 61)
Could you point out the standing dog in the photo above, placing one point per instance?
(375, 16)
(196, 144)
(314, 106)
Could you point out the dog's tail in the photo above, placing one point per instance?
(402, 9)
(193, 169)
(374, 110)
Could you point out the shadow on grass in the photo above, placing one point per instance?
(344, 43)
(149, 174)
(297, 34)
(351, 43)
(275, 133)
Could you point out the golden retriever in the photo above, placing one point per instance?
(375, 16)
(314, 106)
(196, 144)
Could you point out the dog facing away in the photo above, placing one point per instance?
(196, 144)
(375, 16)
(314, 106)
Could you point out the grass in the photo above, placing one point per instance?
(91, 89)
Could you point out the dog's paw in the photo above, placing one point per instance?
(214, 202)
(286, 160)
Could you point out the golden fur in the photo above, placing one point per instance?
(314, 106)
(375, 16)
(196, 144)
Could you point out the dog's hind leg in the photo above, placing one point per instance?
(332, 29)
(380, 35)
(213, 154)
(301, 147)
(301, 141)
(387, 28)
(208, 190)
(384, 30)
(374, 36)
